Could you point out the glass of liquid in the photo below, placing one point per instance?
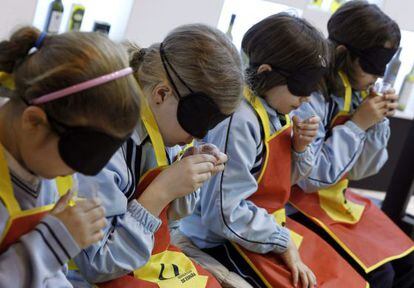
(89, 190)
(381, 87)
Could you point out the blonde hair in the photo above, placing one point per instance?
(67, 59)
(202, 56)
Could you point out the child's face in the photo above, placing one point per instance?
(164, 105)
(361, 80)
(38, 145)
(280, 99)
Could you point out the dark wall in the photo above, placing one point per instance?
(380, 182)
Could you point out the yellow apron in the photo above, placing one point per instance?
(20, 221)
(168, 267)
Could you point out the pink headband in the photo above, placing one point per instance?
(82, 86)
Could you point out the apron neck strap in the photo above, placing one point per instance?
(64, 184)
(261, 112)
(6, 188)
(348, 91)
(152, 128)
(6, 80)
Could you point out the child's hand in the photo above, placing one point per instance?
(210, 149)
(304, 132)
(392, 104)
(299, 270)
(84, 220)
(181, 178)
(371, 111)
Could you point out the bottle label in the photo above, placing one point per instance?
(55, 19)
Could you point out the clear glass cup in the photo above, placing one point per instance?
(381, 87)
(201, 147)
(89, 190)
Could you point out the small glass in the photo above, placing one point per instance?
(201, 147)
(381, 87)
(89, 190)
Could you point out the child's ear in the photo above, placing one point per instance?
(264, 68)
(340, 49)
(160, 92)
(33, 118)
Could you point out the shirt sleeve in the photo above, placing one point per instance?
(129, 235)
(37, 259)
(335, 154)
(226, 210)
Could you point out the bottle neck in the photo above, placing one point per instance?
(233, 17)
(397, 55)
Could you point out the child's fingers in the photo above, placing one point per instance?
(62, 202)
(95, 214)
(313, 120)
(377, 99)
(304, 278)
(391, 97)
(390, 91)
(312, 278)
(383, 110)
(201, 178)
(204, 167)
(218, 168)
(392, 105)
(309, 126)
(99, 225)
(310, 133)
(295, 275)
(390, 113)
(295, 120)
(88, 204)
(98, 236)
(307, 139)
(221, 158)
(381, 105)
(200, 158)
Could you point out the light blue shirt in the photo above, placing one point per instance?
(38, 259)
(129, 237)
(224, 211)
(347, 149)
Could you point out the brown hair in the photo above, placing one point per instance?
(360, 25)
(202, 56)
(67, 59)
(282, 41)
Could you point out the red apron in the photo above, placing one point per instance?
(168, 267)
(272, 194)
(354, 222)
(21, 222)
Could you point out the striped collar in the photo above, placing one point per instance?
(22, 173)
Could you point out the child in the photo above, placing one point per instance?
(241, 219)
(57, 122)
(351, 144)
(191, 82)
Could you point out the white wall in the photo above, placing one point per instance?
(151, 20)
(401, 11)
(15, 13)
